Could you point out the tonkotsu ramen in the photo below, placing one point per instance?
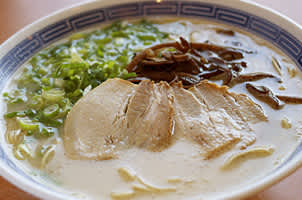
(154, 109)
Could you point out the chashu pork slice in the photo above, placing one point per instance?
(118, 114)
(195, 121)
(240, 108)
(150, 116)
(91, 129)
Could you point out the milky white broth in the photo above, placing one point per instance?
(182, 161)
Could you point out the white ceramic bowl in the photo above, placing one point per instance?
(263, 22)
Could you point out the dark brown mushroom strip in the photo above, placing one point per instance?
(175, 45)
(155, 58)
(195, 53)
(157, 75)
(241, 78)
(227, 76)
(266, 95)
(216, 60)
(230, 55)
(236, 67)
(225, 32)
(221, 61)
(156, 63)
(198, 61)
(220, 65)
(209, 75)
(197, 65)
(219, 49)
(136, 60)
(188, 79)
(207, 47)
(167, 55)
(191, 59)
(243, 64)
(290, 99)
(185, 44)
(180, 58)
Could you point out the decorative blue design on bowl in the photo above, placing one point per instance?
(25, 49)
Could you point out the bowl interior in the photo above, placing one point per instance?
(26, 43)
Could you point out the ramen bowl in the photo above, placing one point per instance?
(281, 32)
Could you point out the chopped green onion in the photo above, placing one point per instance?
(51, 111)
(14, 114)
(53, 123)
(53, 95)
(147, 37)
(103, 41)
(27, 124)
(47, 132)
(119, 34)
(36, 101)
(57, 77)
(29, 133)
(58, 82)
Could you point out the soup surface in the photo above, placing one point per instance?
(70, 69)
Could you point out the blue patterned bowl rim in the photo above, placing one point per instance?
(263, 22)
